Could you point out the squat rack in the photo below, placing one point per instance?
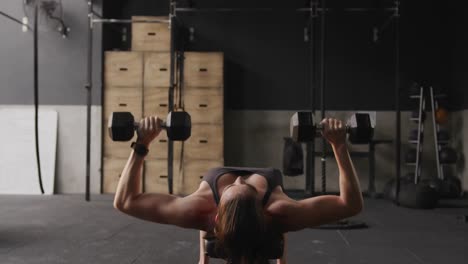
(316, 9)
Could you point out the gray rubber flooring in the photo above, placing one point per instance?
(67, 229)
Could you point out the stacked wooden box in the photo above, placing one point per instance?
(123, 78)
(203, 99)
(138, 82)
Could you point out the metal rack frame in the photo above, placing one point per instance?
(437, 143)
(92, 20)
(419, 140)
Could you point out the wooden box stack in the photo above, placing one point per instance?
(138, 81)
(204, 101)
(156, 103)
(123, 92)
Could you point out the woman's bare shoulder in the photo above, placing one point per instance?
(204, 194)
(279, 203)
(204, 204)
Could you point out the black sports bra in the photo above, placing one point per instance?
(273, 177)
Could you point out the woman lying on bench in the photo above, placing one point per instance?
(243, 212)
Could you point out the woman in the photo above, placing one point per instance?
(244, 208)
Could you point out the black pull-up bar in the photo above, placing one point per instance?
(130, 21)
(270, 9)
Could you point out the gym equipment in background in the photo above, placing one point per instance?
(441, 115)
(445, 155)
(413, 156)
(424, 192)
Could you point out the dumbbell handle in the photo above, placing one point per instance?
(319, 128)
(303, 128)
(137, 125)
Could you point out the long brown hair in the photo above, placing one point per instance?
(243, 230)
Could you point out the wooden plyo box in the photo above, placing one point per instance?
(123, 69)
(204, 69)
(150, 36)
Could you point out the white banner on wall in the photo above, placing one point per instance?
(18, 166)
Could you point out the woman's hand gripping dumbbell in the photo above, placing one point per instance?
(359, 127)
(148, 129)
(122, 127)
(333, 130)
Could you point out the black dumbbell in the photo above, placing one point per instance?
(414, 135)
(122, 126)
(304, 129)
(411, 156)
(448, 155)
(443, 136)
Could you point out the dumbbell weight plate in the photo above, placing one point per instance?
(451, 187)
(304, 129)
(301, 127)
(360, 130)
(443, 136)
(447, 155)
(179, 126)
(121, 126)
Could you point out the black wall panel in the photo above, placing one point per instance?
(458, 52)
(267, 60)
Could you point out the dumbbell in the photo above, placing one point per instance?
(411, 156)
(303, 128)
(448, 155)
(122, 126)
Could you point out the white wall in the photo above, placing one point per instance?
(71, 153)
(71, 147)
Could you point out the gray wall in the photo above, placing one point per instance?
(62, 76)
(62, 62)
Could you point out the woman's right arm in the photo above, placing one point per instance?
(188, 212)
(324, 209)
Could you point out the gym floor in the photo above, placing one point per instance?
(66, 229)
